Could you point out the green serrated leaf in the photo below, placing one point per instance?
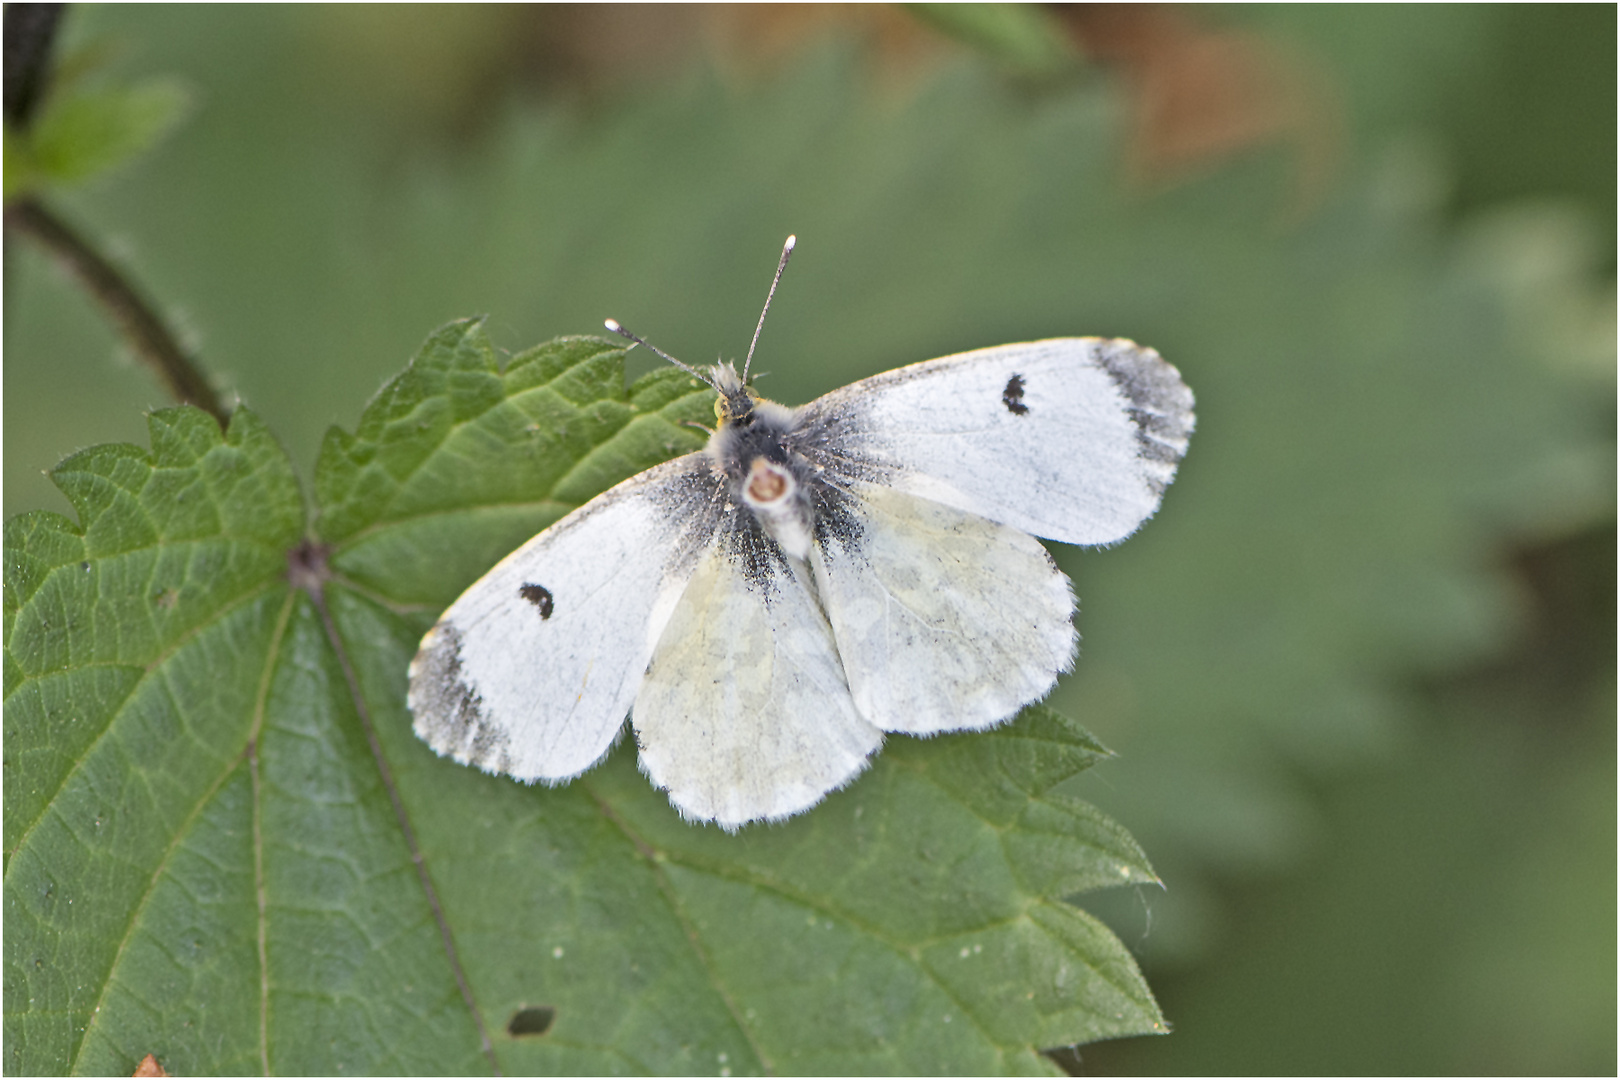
(135, 644)
(227, 847)
(86, 132)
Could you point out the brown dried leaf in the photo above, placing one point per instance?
(149, 1067)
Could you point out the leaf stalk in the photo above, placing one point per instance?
(143, 331)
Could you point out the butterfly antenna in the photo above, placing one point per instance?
(787, 249)
(613, 325)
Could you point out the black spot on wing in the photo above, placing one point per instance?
(540, 597)
(450, 715)
(1013, 396)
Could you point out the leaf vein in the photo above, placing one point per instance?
(139, 908)
(117, 711)
(906, 953)
(667, 889)
(260, 892)
(402, 818)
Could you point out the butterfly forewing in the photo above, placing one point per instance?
(533, 670)
(1072, 439)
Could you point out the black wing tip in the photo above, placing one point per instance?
(1160, 403)
(1150, 381)
(448, 713)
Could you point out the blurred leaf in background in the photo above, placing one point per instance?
(1025, 38)
(85, 132)
(1403, 378)
(64, 120)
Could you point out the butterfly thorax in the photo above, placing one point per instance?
(752, 449)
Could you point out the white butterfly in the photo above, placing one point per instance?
(767, 608)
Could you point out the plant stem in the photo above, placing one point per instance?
(142, 330)
(30, 35)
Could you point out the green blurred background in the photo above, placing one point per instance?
(1361, 670)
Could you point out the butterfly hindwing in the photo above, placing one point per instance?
(744, 712)
(945, 621)
(533, 670)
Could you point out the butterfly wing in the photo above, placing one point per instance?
(947, 613)
(533, 670)
(745, 712)
(748, 702)
(945, 621)
(1072, 439)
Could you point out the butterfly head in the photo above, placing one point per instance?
(736, 400)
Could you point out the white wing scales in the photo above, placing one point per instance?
(760, 683)
(945, 621)
(1072, 439)
(532, 671)
(745, 713)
